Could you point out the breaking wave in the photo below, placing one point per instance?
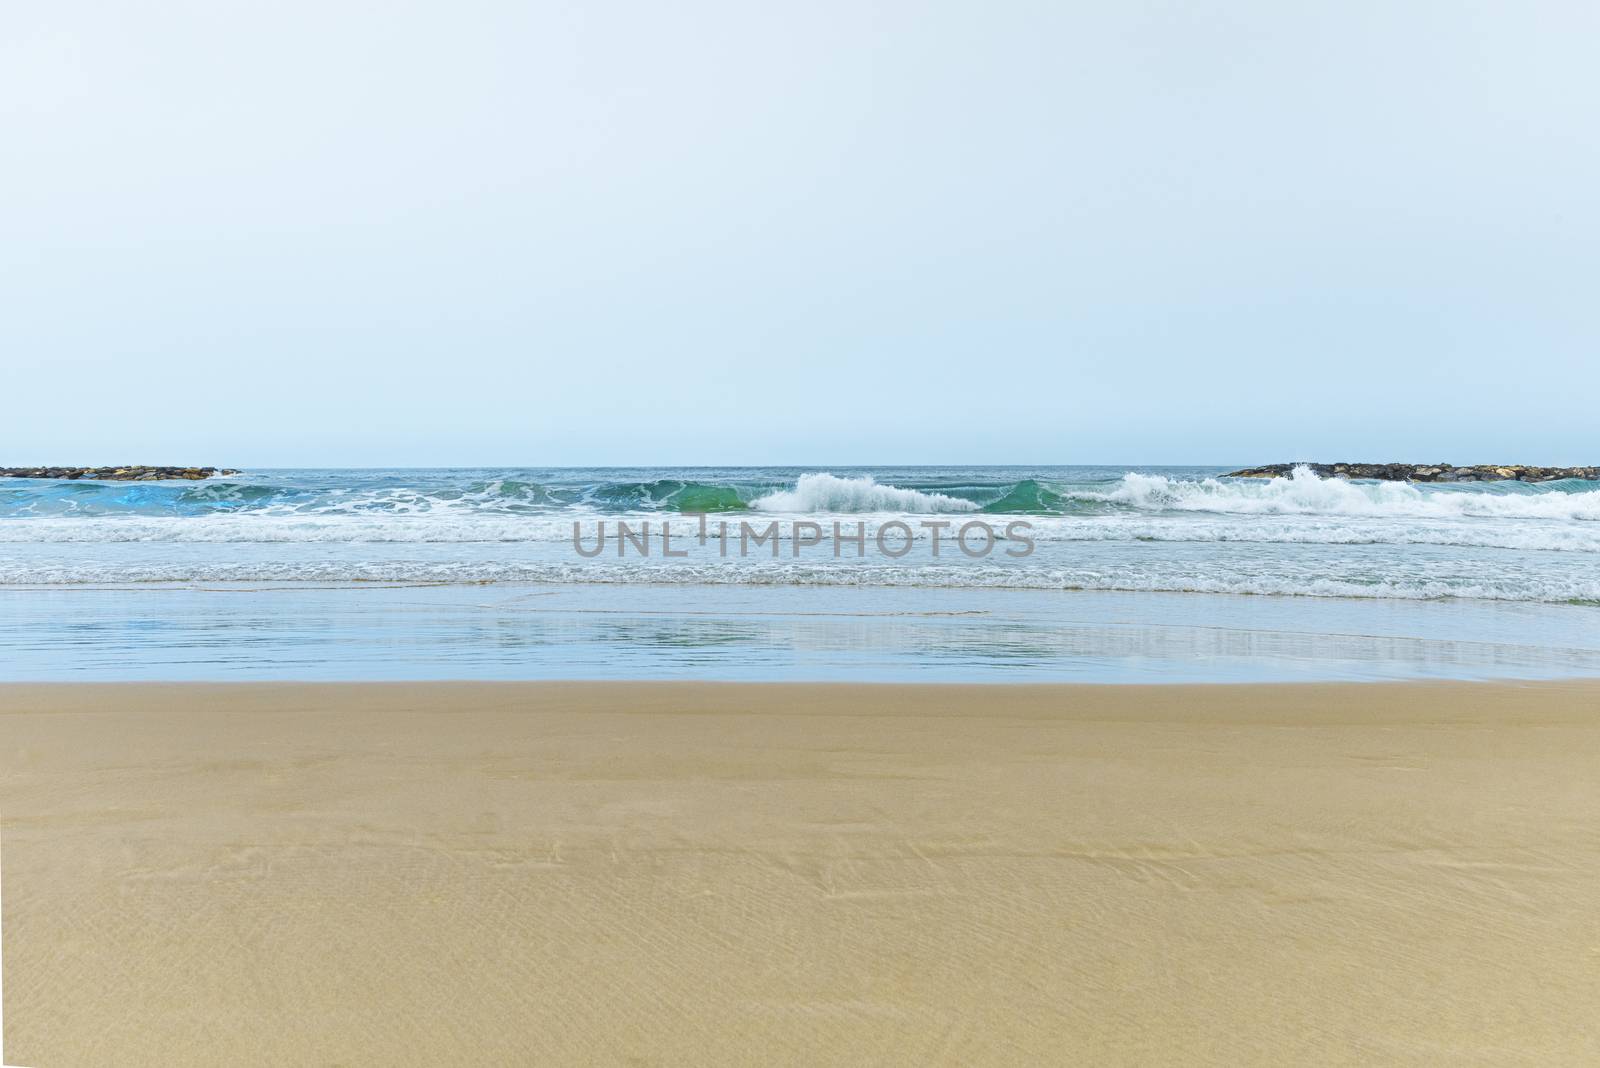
(447, 493)
(1102, 529)
(1305, 493)
(851, 496)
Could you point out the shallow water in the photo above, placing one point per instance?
(508, 631)
(1095, 574)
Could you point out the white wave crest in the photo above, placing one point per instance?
(1305, 493)
(830, 493)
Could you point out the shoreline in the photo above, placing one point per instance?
(528, 632)
(1029, 687)
(739, 873)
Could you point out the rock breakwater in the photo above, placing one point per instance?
(116, 474)
(1425, 472)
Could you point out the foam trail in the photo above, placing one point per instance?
(467, 529)
(1233, 577)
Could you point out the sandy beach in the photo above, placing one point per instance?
(685, 874)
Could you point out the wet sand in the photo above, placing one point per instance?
(687, 874)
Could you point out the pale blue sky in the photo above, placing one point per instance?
(477, 232)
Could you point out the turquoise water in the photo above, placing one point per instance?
(1155, 573)
(1148, 529)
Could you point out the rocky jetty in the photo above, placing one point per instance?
(116, 474)
(1426, 472)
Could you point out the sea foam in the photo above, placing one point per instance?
(823, 492)
(1307, 494)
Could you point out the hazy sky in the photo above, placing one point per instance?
(563, 233)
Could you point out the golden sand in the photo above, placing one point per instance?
(800, 875)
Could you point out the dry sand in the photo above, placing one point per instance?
(800, 875)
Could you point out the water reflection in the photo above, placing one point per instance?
(510, 632)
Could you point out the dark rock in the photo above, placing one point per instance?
(116, 474)
(1425, 472)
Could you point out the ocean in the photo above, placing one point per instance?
(945, 551)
